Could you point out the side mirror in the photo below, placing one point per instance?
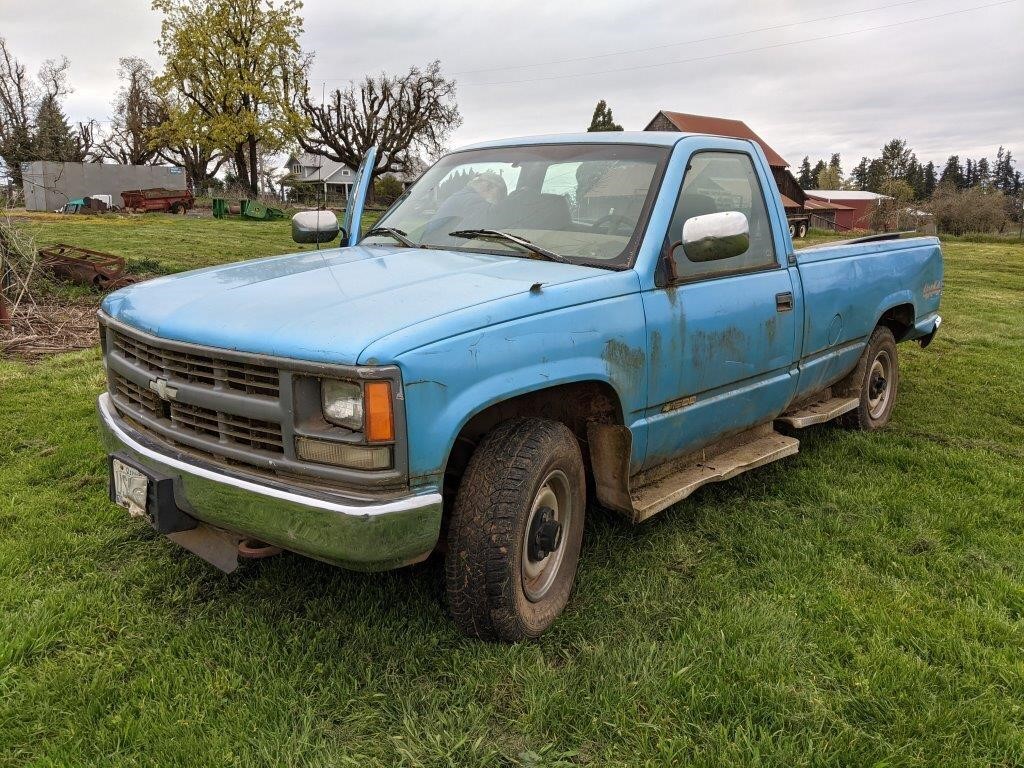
(314, 227)
(715, 236)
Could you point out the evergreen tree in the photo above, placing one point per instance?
(915, 177)
(834, 163)
(804, 178)
(982, 176)
(859, 175)
(816, 172)
(953, 172)
(895, 158)
(997, 169)
(930, 181)
(602, 120)
(53, 138)
(877, 175)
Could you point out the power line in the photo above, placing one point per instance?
(689, 42)
(745, 50)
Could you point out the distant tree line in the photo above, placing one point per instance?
(897, 162)
(964, 196)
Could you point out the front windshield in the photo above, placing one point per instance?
(581, 202)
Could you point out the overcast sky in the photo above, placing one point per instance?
(949, 84)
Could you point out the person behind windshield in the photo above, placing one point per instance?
(472, 207)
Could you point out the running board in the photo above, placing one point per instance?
(819, 412)
(663, 486)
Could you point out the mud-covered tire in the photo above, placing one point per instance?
(875, 381)
(488, 559)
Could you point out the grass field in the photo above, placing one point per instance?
(859, 604)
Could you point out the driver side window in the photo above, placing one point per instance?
(717, 182)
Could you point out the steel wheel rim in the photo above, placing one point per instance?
(879, 384)
(538, 577)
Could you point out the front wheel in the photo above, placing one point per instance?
(875, 381)
(516, 530)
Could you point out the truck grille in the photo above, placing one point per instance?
(201, 369)
(184, 419)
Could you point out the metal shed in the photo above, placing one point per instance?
(49, 185)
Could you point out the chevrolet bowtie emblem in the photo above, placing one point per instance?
(163, 391)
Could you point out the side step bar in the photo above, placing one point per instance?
(819, 412)
(648, 493)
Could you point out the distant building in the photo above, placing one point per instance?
(853, 206)
(317, 171)
(50, 185)
(721, 126)
(822, 214)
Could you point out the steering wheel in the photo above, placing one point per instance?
(609, 225)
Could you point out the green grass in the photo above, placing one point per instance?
(162, 243)
(861, 603)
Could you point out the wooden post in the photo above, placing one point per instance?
(5, 280)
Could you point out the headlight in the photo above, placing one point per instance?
(342, 403)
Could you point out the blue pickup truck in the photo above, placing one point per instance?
(535, 326)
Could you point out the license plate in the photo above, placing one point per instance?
(131, 488)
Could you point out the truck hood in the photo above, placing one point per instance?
(327, 306)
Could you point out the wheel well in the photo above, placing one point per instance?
(898, 319)
(575, 405)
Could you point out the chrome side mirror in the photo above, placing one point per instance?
(715, 236)
(314, 227)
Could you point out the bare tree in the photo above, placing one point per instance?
(138, 111)
(17, 103)
(402, 115)
(201, 161)
(32, 123)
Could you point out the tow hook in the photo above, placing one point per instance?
(545, 535)
(251, 549)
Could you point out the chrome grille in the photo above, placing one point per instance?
(201, 369)
(181, 418)
(238, 429)
(136, 396)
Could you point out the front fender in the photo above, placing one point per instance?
(448, 382)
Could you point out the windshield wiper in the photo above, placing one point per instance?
(494, 234)
(394, 234)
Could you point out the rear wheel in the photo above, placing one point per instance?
(792, 230)
(516, 530)
(801, 231)
(875, 381)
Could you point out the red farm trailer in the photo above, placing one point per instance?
(158, 199)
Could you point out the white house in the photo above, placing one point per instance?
(330, 176)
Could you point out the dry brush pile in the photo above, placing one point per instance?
(35, 319)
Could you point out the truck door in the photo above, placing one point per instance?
(722, 334)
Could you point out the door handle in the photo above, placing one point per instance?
(784, 302)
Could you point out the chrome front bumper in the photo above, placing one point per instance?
(363, 535)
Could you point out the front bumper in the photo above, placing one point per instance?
(365, 535)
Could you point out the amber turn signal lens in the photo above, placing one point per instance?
(378, 415)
